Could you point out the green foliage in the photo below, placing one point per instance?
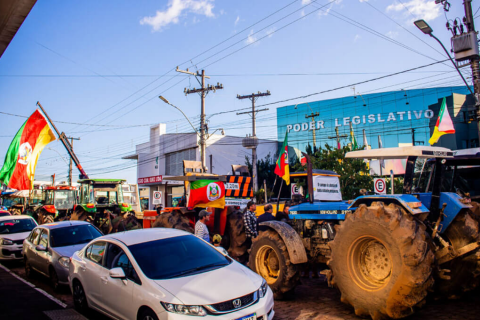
(354, 173)
(265, 171)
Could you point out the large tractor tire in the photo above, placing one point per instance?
(381, 261)
(81, 215)
(235, 237)
(44, 217)
(269, 258)
(175, 219)
(464, 270)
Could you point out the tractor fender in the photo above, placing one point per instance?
(407, 201)
(453, 208)
(295, 247)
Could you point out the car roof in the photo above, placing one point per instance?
(63, 224)
(23, 216)
(133, 237)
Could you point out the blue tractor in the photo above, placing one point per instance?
(383, 252)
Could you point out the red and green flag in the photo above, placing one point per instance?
(353, 140)
(206, 193)
(444, 124)
(282, 169)
(18, 171)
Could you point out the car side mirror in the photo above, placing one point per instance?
(117, 273)
(40, 248)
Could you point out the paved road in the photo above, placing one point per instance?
(314, 300)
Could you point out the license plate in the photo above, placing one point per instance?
(252, 316)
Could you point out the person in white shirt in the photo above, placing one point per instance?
(201, 229)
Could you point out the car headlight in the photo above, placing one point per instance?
(64, 261)
(6, 242)
(183, 309)
(263, 289)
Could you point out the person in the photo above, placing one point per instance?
(266, 216)
(201, 229)
(283, 216)
(217, 239)
(250, 222)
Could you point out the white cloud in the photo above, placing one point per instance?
(302, 13)
(363, 0)
(325, 12)
(174, 11)
(237, 20)
(271, 31)
(251, 38)
(392, 34)
(425, 9)
(357, 37)
(304, 2)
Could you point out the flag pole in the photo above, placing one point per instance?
(278, 197)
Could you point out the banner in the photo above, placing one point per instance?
(326, 188)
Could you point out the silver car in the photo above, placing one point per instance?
(47, 250)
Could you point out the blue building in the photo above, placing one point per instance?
(398, 118)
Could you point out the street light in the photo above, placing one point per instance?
(426, 29)
(167, 102)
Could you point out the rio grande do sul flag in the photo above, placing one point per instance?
(206, 193)
(18, 171)
(282, 169)
(444, 124)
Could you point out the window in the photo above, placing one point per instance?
(96, 251)
(34, 236)
(174, 161)
(17, 225)
(44, 239)
(72, 235)
(117, 258)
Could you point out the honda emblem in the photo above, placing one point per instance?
(237, 303)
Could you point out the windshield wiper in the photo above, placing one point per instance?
(199, 268)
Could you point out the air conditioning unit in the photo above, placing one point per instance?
(465, 46)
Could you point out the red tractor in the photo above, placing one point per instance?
(57, 204)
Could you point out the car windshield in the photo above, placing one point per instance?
(177, 257)
(16, 226)
(72, 235)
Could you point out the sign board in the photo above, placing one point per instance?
(380, 186)
(296, 189)
(238, 187)
(326, 188)
(236, 202)
(157, 197)
(154, 179)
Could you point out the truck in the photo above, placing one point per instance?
(384, 253)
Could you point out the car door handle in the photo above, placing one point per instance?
(104, 279)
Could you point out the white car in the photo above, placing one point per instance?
(13, 230)
(163, 274)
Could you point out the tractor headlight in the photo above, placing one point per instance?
(184, 309)
(262, 292)
(64, 261)
(6, 242)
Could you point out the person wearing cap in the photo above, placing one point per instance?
(201, 229)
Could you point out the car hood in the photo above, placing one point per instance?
(214, 286)
(68, 251)
(15, 236)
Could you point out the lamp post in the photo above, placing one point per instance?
(426, 29)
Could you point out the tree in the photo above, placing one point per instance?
(354, 173)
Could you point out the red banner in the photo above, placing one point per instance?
(154, 179)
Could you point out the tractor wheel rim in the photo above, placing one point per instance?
(369, 263)
(268, 264)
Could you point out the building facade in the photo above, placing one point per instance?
(162, 157)
(397, 118)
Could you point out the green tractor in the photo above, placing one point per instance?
(101, 203)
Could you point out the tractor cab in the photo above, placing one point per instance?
(58, 200)
(98, 195)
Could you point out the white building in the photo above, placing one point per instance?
(162, 157)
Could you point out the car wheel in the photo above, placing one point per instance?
(148, 314)
(79, 298)
(54, 279)
(28, 269)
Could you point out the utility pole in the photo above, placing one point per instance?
(313, 115)
(252, 142)
(413, 137)
(203, 93)
(70, 166)
(338, 136)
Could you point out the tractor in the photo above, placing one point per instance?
(383, 252)
(101, 203)
(57, 204)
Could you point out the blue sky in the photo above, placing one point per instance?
(95, 63)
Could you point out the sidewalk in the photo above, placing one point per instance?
(20, 299)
